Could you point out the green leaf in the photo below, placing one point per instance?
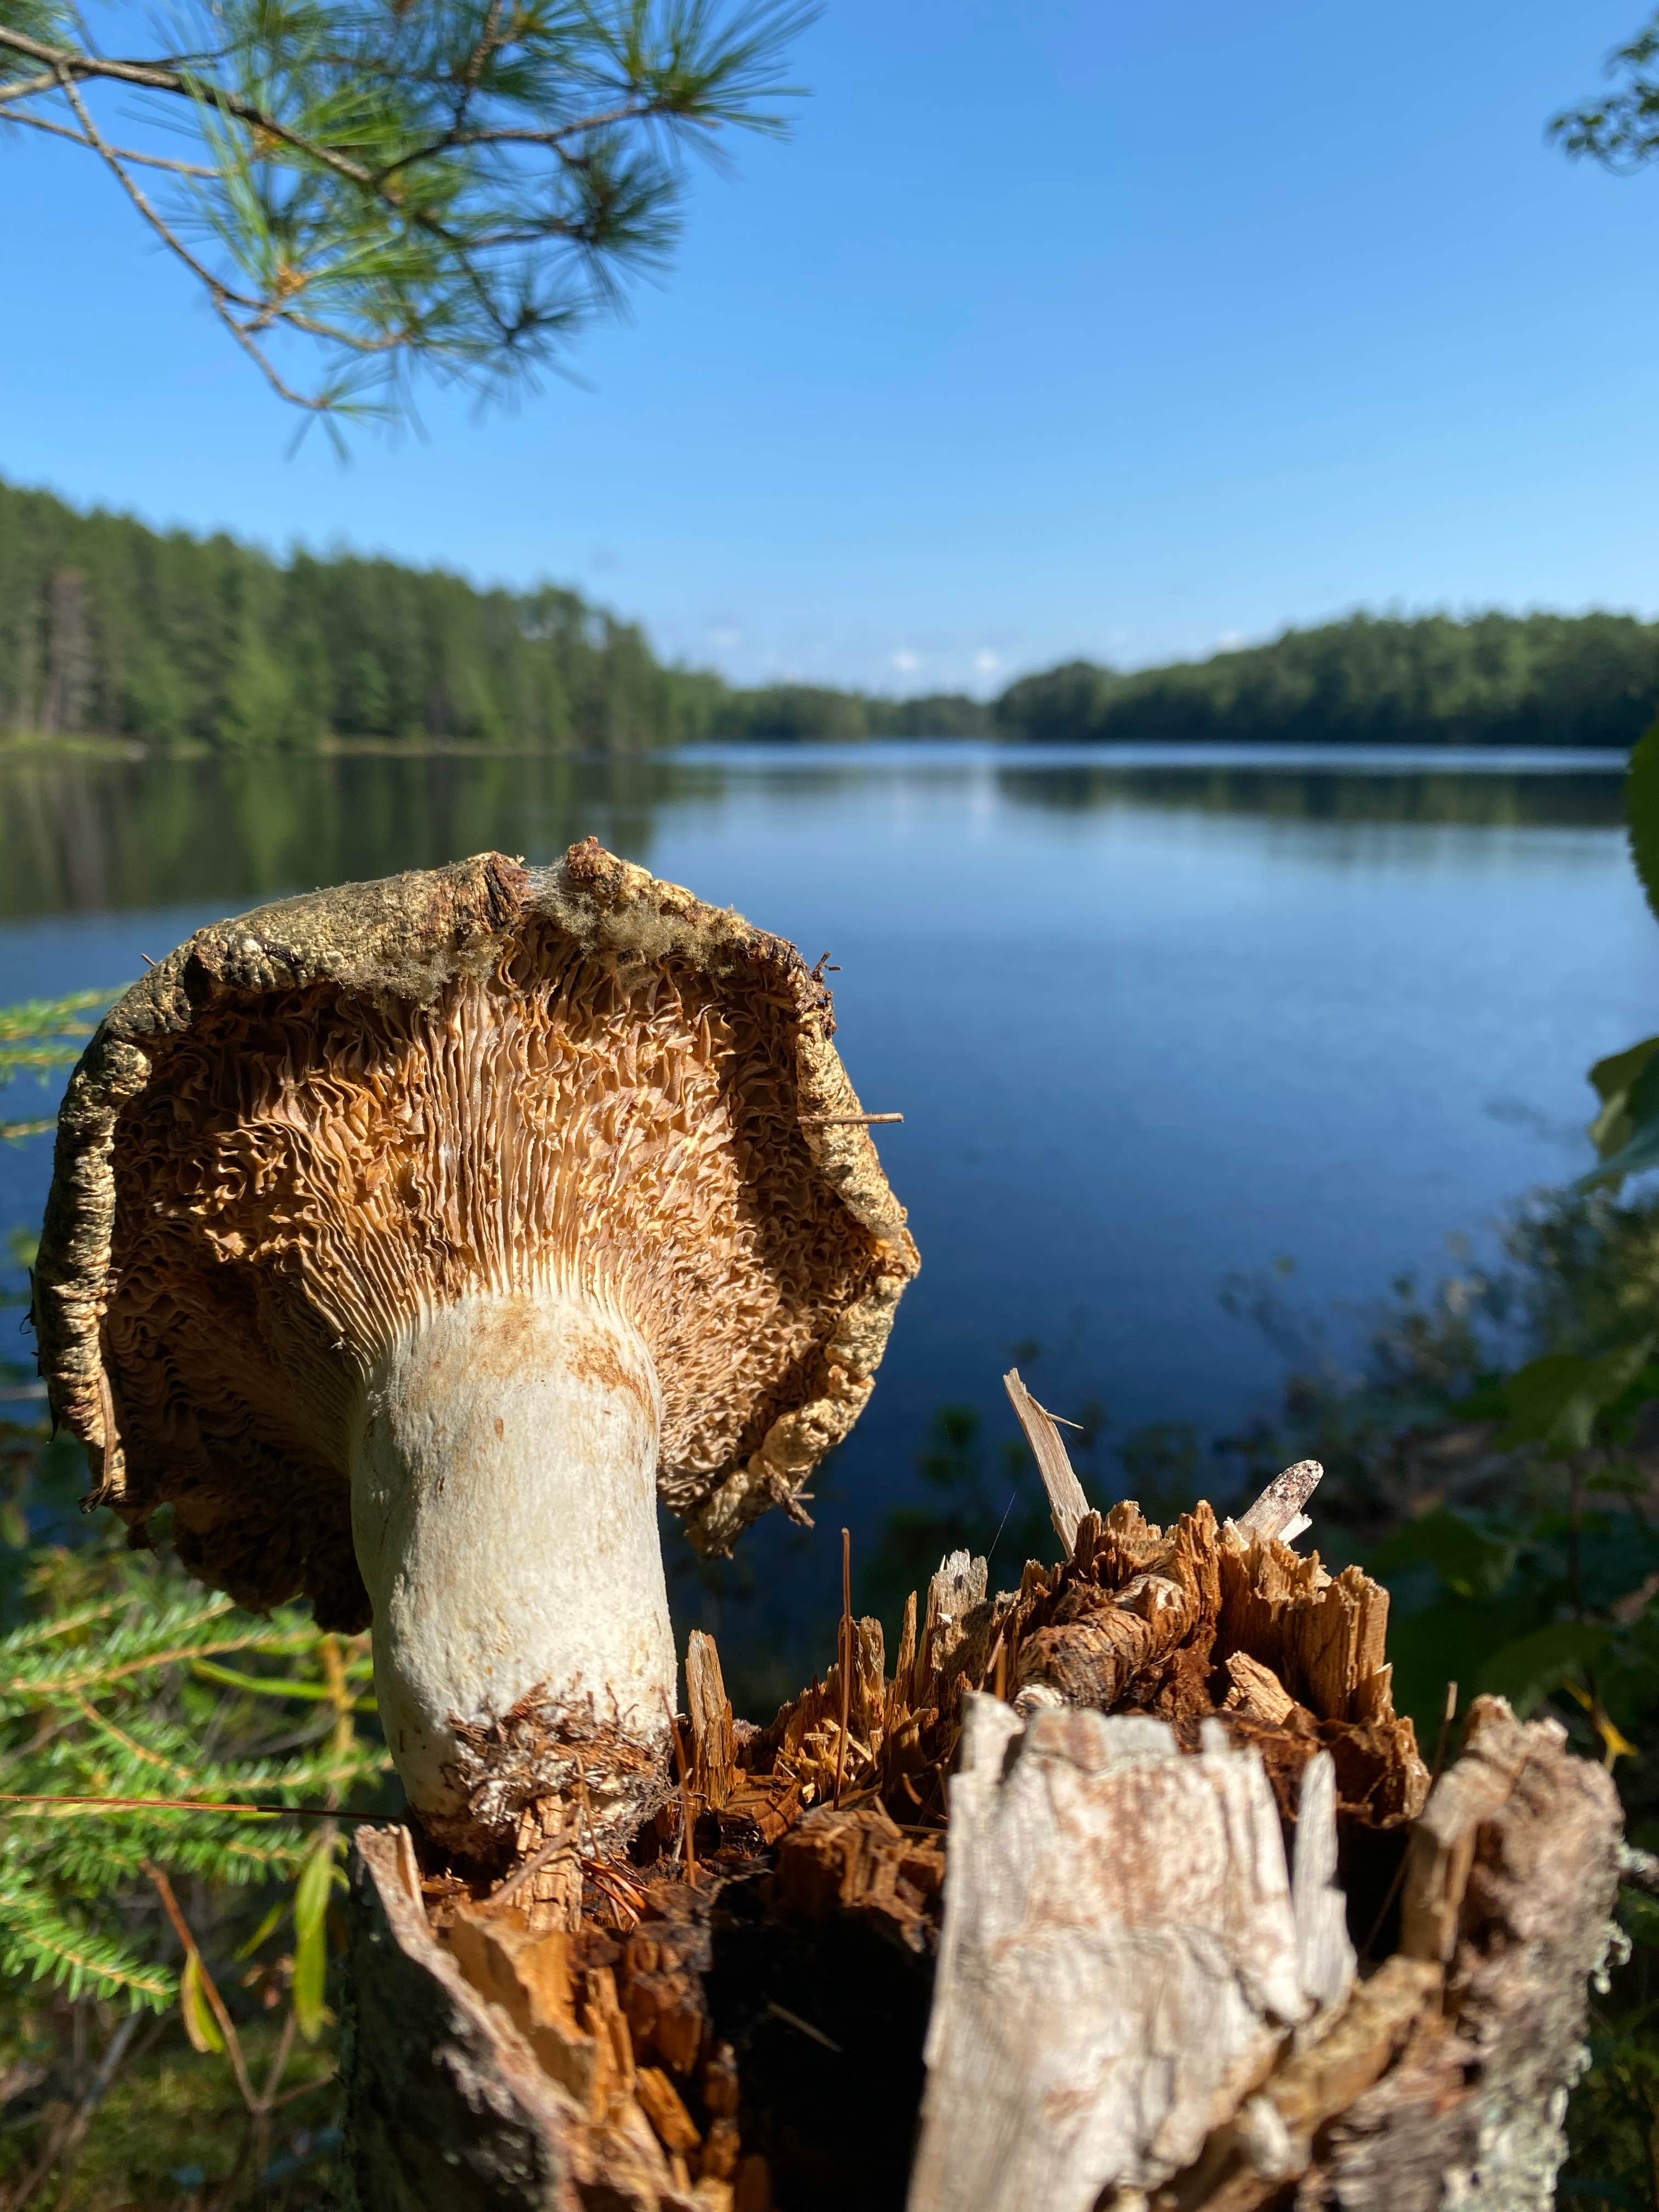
(1641, 811)
(200, 2026)
(1625, 1480)
(1613, 1081)
(311, 1896)
(1529, 1669)
(266, 1929)
(1468, 1560)
(1640, 1917)
(1450, 1641)
(1554, 1401)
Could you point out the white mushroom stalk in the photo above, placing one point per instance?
(415, 1241)
(504, 1516)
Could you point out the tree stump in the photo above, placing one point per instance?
(1128, 1889)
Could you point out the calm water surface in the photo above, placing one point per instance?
(1154, 1019)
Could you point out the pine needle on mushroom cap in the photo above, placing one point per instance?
(311, 1123)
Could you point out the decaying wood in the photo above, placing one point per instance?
(1067, 1503)
(1279, 1510)
(453, 2108)
(1106, 1846)
(1325, 1961)
(1119, 1959)
(1509, 1884)
(713, 1739)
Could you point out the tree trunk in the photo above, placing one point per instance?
(1127, 1890)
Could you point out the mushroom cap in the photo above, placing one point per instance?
(309, 1125)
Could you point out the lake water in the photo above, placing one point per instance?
(1155, 1018)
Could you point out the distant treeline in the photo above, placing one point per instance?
(1493, 680)
(108, 629)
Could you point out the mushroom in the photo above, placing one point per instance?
(411, 1239)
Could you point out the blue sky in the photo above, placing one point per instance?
(1059, 326)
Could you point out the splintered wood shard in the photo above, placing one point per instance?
(1067, 1503)
(1325, 1955)
(958, 1585)
(1119, 1958)
(713, 1740)
(1278, 1512)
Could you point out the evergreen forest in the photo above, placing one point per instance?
(112, 630)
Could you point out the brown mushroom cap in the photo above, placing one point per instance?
(309, 1124)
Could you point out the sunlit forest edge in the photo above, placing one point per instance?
(114, 633)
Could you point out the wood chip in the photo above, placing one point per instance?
(1278, 1512)
(714, 1737)
(665, 2110)
(1324, 1952)
(1067, 1503)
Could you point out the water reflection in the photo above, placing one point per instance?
(87, 836)
(1574, 799)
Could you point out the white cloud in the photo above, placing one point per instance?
(986, 663)
(726, 640)
(1230, 640)
(905, 662)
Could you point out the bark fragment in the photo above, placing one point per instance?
(1119, 1959)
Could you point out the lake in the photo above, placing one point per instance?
(1156, 1018)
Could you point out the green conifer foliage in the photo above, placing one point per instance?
(170, 1772)
(366, 192)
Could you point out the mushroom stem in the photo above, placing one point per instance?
(503, 1504)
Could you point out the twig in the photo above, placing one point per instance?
(305, 2088)
(686, 1820)
(210, 1988)
(846, 1120)
(131, 1743)
(124, 153)
(803, 2027)
(63, 2149)
(63, 61)
(846, 1657)
(182, 1805)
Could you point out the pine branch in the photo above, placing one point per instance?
(181, 1633)
(43, 1033)
(1622, 131)
(457, 187)
(36, 1940)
